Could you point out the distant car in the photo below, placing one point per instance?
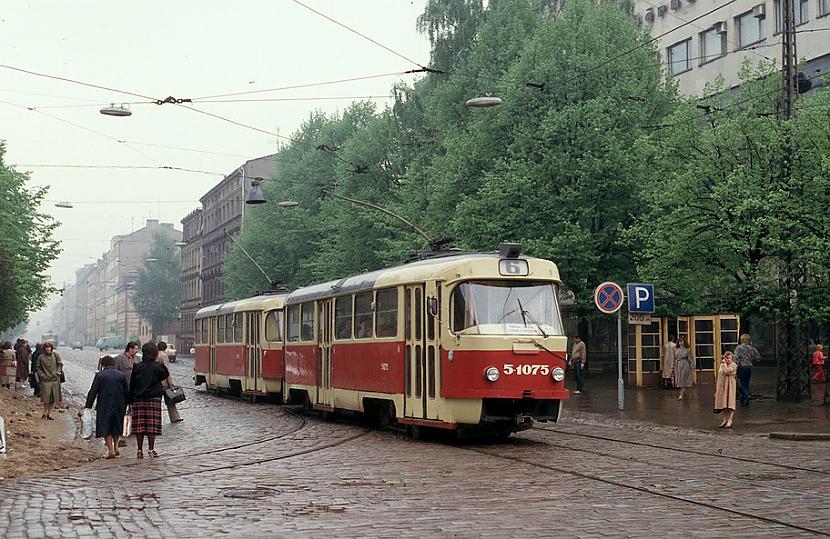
(113, 341)
(61, 343)
(77, 345)
(171, 353)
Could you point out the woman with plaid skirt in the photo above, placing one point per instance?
(145, 398)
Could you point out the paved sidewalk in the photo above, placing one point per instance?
(660, 406)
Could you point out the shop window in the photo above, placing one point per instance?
(363, 315)
(273, 326)
(343, 317)
(307, 322)
(293, 323)
(387, 313)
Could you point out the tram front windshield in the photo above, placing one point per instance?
(506, 308)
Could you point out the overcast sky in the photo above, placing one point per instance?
(186, 49)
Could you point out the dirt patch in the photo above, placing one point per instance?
(36, 445)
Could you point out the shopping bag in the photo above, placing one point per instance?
(174, 394)
(88, 423)
(128, 425)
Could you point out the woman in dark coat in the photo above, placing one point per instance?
(110, 389)
(145, 398)
(23, 356)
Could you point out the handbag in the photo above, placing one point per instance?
(62, 378)
(174, 395)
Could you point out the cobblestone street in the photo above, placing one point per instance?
(259, 470)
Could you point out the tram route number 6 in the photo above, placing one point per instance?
(526, 369)
(513, 266)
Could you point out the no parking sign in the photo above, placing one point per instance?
(608, 297)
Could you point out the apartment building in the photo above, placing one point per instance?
(191, 276)
(701, 40)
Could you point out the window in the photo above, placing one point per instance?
(228, 328)
(386, 324)
(205, 329)
(802, 14)
(343, 318)
(712, 45)
(506, 308)
(363, 315)
(273, 326)
(293, 323)
(750, 28)
(680, 57)
(220, 329)
(308, 322)
(824, 8)
(238, 327)
(197, 331)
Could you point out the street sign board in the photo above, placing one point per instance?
(608, 297)
(640, 298)
(639, 319)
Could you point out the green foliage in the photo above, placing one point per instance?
(26, 247)
(727, 229)
(157, 296)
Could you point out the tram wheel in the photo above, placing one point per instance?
(417, 432)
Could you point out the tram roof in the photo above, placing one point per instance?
(415, 271)
(256, 303)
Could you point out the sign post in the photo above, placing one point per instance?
(608, 298)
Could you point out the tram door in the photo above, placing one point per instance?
(325, 394)
(212, 340)
(415, 397)
(253, 352)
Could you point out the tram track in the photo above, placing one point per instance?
(646, 490)
(690, 451)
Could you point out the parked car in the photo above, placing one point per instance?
(77, 345)
(111, 342)
(171, 353)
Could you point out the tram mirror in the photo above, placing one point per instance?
(432, 306)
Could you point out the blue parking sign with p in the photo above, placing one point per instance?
(640, 298)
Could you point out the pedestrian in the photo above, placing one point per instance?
(49, 371)
(745, 355)
(818, 362)
(124, 362)
(668, 363)
(145, 398)
(8, 366)
(109, 388)
(578, 358)
(33, 379)
(683, 359)
(725, 390)
(23, 356)
(171, 406)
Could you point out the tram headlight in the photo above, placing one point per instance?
(492, 374)
(558, 374)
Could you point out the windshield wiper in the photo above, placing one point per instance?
(526, 315)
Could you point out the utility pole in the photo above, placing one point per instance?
(793, 367)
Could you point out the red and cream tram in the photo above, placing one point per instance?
(239, 346)
(451, 341)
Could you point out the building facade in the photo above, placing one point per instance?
(191, 276)
(223, 210)
(100, 301)
(700, 41)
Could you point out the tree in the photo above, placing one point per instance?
(158, 294)
(26, 247)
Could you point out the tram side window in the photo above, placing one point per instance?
(273, 326)
(238, 326)
(197, 332)
(228, 328)
(308, 322)
(343, 318)
(220, 329)
(363, 315)
(387, 313)
(293, 323)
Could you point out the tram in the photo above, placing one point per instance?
(451, 341)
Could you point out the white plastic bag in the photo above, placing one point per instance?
(88, 423)
(128, 424)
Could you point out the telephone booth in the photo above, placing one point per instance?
(708, 337)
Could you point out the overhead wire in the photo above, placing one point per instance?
(73, 81)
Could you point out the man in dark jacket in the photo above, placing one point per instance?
(110, 389)
(33, 379)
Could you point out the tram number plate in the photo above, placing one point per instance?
(513, 266)
(526, 370)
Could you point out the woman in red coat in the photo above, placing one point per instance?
(818, 362)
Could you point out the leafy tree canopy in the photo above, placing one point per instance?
(158, 295)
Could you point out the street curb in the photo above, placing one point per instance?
(800, 436)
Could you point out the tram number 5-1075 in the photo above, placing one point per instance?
(526, 369)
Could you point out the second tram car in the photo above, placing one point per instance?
(451, 341)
